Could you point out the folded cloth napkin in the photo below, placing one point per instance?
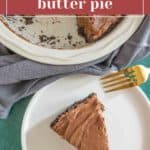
(20, 77)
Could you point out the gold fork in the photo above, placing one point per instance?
(126, 78)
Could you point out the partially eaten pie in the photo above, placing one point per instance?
(95, 27)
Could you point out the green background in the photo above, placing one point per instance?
(10, 128)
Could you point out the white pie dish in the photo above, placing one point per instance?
(98, 49)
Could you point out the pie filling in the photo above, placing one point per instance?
(95, 27)
(83, 125)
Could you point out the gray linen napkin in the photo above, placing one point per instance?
(20, 77)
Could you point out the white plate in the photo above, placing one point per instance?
(127, 115)
(66, 57)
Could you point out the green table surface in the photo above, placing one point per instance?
(11, 127)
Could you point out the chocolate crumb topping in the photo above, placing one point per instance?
(52, 38)
(74, 45)
(43, 38)
(69, 36)
(28, 20)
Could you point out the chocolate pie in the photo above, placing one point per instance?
(95, 27)
(83, 125)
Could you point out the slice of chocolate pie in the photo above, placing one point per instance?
(95, 27)
(83, 125)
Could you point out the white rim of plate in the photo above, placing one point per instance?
(23, 143)
(69, 57)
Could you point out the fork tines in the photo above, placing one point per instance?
(119, 80)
